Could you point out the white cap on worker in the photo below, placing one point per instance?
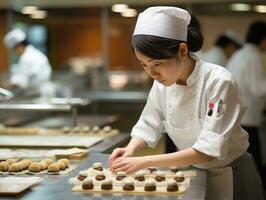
(163, 21)
(233, 36)
(13, 38)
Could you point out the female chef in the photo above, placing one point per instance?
(196, 103)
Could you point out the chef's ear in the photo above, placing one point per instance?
(183, 50)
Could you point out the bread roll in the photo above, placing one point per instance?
(54, 167)
(35, 167)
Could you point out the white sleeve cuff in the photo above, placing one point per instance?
(147, 133)
(212, 144)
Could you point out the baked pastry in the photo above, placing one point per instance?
(107, 129)
(82, 175)
(15, 167)
(120, 175)
(160, 176)
(87, 184)
(61, 165)
(97, 166)
(139, 176)
(95, 129)
(152, 169)
(44, 165)
(128, 185)
(66, 129)
(54, 167)
(48, 161)
(35, 167)
(179, 176)
(107, 184)
(150, 186)
(100, 176)
(10, 161)
(172, 186)
(86, 129)
(4, 166)
(76, 129)
(66, 161)
(174, 169)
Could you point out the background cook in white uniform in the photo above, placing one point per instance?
(179, 105)
(33, 69)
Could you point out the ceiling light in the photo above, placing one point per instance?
(119, 7)
(39, 14)
(28, 10)
(240, 7)
(130, 12)
(260, 8)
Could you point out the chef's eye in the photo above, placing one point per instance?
(157, 64)
(143, 65)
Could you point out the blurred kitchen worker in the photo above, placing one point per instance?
(32, 69)
(224, 47)
(196, 103)
(247, 67)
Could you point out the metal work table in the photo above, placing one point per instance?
(54, 187)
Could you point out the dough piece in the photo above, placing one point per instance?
(97, 166)
(66, 129)
(64, 160)
(76, 129)
(4, 166)
(54, 167)
(140, 175)
(107, 129)
(87, 184)
(10, 161)
(48, 161)
(95, 129)
(174, 169)
(160, 176)
(82, 175)
(107, 184)
(14, 167)
(179, 176)
(150, 186)
(100, 176)
(44, 165)
(121, 175)
(86, 129)
(172, 186)
(35, 167)
(128, 185)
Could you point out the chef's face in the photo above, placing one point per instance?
(165, 71)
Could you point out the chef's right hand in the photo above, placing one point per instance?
(118, 152)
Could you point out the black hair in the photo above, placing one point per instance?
(256, 32)
(163, 48)
(194, 22)
(224, 41)
(24, 42)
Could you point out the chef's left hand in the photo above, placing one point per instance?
(129, 164)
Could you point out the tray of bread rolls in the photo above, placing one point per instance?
(27, 166)
(106, 131)
(150, 181)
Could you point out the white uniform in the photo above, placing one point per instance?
(181, 111)
(215, 55)
(32, 70)
(246, 65)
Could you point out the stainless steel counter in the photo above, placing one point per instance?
(58, 188)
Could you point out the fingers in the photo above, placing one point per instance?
(118, 152)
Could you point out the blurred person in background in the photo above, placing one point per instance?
(32, 69)
(224, 47)
(247, 67)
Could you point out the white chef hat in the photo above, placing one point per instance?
(163, 21)
(233, 36)
(13, 38)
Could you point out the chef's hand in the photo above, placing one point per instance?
(119, 152)
(129, 164)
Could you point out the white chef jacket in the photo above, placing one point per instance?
(220, 136)
(216, 55)
(32, 70)
(247, 67)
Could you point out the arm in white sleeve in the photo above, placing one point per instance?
(257, 80)
(149, 126)
(217, 128)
